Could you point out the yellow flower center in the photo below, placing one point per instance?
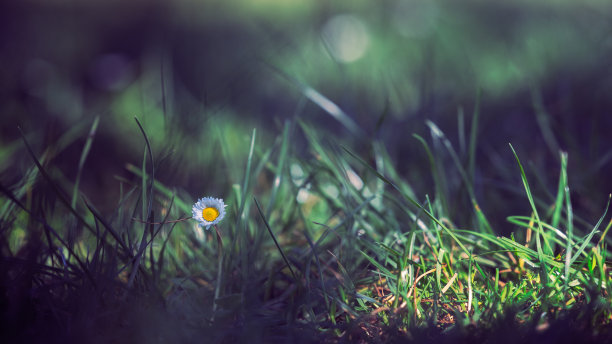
(210, 214)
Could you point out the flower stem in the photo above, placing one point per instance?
(219, 269)
(161, 223)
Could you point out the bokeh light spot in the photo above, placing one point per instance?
(346, 37)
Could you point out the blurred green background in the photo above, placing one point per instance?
(200, 75)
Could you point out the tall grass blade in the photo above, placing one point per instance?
(148, 211)
(150, 152)
(84, 154)
(61, 195)
(464, 175)
(561, 191)
(570, 229)
(439, 181)
(543, 119)
(159, 187)
(315, 253)
(540, 231)
(247, 176)
(588, 238)
(263, 217)
(473, 138)
(280, 168)
(50, 230)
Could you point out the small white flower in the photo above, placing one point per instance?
(208, 211)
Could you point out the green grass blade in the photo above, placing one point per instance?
(570, 229)
(110, 229)
(150, 152)
(540, 231)
(464, 175)
(474, 137)
(439, 182)
(588, 238)
(315, 254)
(148, 209)
(247, 177)
(561, 191)
(61, 195)
(263, 217)
(159, 187)
(543, 120)
(330, 108)
(436, 132)
(84, 154)
(280, 169)
(415, 203)
(50, 230)
(524, 221)
(384, 271)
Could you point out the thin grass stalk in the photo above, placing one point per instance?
(219, 284)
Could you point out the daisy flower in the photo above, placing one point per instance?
(208, 211)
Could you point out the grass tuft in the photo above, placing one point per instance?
(368, 259)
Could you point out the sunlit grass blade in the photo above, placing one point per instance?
(540, 231)
(587, 240)
(325, 104)
(240, 224)
(528, 222)
(570, 230)
(384, 271)
(439, 181)
(246, 179)
(561, 191)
